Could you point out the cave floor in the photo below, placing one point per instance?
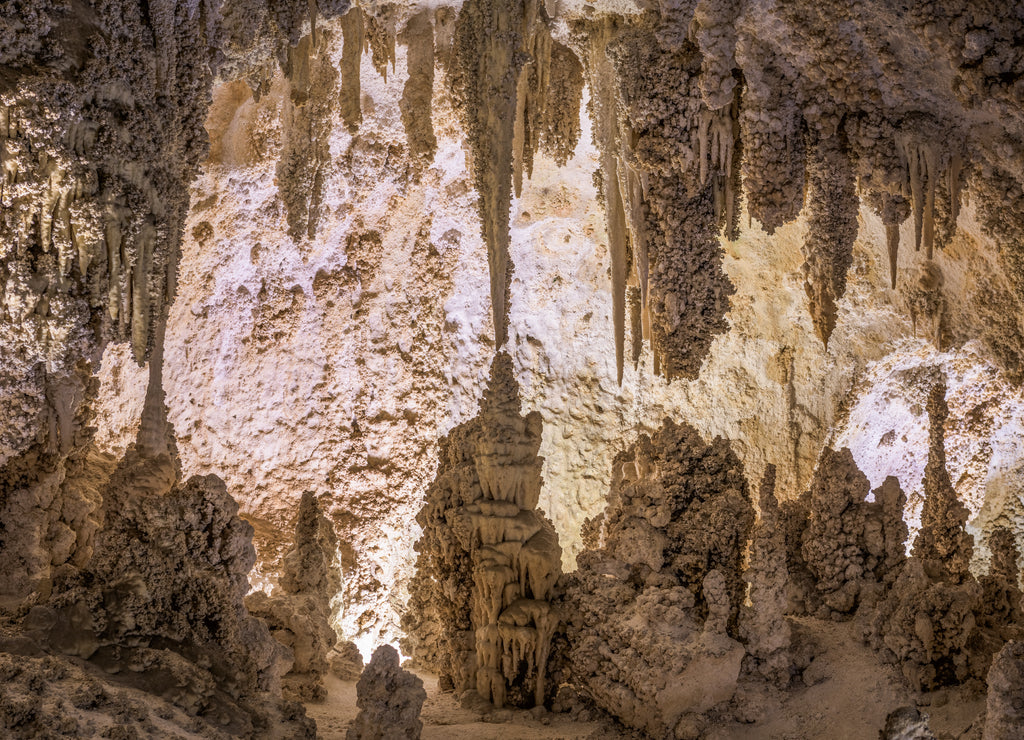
(850, 696)
(444, 719)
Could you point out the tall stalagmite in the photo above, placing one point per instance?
(479, 612)
(299, 611)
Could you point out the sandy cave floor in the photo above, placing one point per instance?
(443, 718)
(851, 695)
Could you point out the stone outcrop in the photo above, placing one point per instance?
(389, 700)
(652, 611)
(480, 613)
(1004, 712)
(298, 612)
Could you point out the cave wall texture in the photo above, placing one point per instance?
(307, 229)
(353, 409)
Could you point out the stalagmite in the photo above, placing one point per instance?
(763, 623)
(389, 700)
(652, 612)
(488, 561)
(298, 613)
(942, 539)
(1004, 714)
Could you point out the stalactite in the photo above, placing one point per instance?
(772, 129)
(488, 48)
(559, 124)
(301, 176)
(932, 176)
(416, 95)
(604, 110)
(893, 209)
(381, 35)
(661, 186)
(351, 58)
(713, 29)
(832, 203)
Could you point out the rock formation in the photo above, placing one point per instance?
(850, 545)
(345, 661)
(927, 621)
(298, 613)
(666, 195)
(906, 723)
(162, 592)
(480, 612)
(835, 125)
(652, 611)
(389, 700)
(763, 624)
(1004, 713)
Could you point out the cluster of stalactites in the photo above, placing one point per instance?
(518, 92)
(667, 191)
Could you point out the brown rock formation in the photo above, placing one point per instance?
(488, 560)
(650, 612)
(851, 545)
(299, 612)
(1004, 713)
(389, 700)
(832, 228)
(927, 621)
(763, 624)
(942, 543)
(666, 195)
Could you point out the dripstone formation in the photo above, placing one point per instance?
(389, 700)
(480, 613)
(298, 613)
(652, 611)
